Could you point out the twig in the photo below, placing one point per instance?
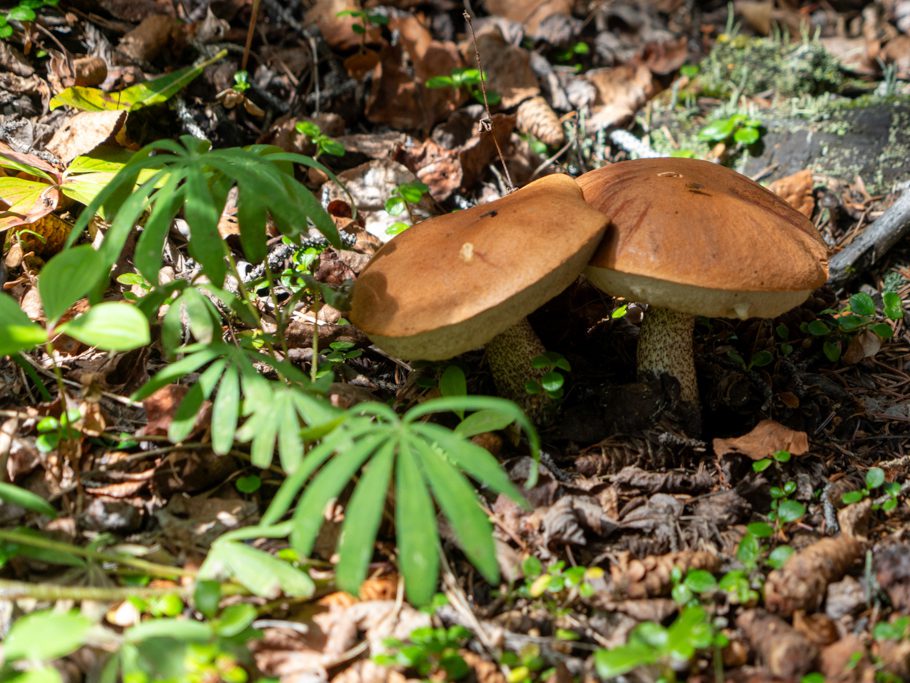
(873, 243)
(486, 123)
(17, 590)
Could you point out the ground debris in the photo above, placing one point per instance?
(784, 650)
(802, 581)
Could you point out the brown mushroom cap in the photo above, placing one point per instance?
(699, 238)
(452, 283)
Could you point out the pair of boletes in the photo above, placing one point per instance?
(688, 237)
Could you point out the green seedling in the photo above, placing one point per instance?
(527, 665)
(403, 199)
(738, 588)
(859, 316)
(697, 583)
(241, 81)
(551, 383)
(898, 629)
(557, 580)
(427, 651)
(52, 431)
(364, 20)
(664, 649)
(785, 510)
(465, 77)
(751, 550)
(578, 50)
(339, 352)
(875, 479)
(740, 128)
(23, 13)
(777, 458)
(324, 144)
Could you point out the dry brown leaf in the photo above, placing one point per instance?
(148, 40)
(766, 438)
(852, 53)
(796, 189)
(897, 52)
(530, 13)
(83, 132)
(339, 31)
(839, 663)
(508, 68)
(864, 344)
(665, 57)
(621, 91)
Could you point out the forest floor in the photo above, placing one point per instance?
(773, 547)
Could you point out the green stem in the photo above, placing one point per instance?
(150, 568)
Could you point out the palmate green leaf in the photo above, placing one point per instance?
(167, 202)
(458, 502)
(290, 445)
(15, 495)
(17, 332)
(185, 416)
(340, 439)
(177, 629)
(328, 484)
(45, 636)
(482, 421)
(471, 458)
(621, 660)
(362, 517)
(155, 91)
(25, 197)
(67, 277)
(262, 574)
(415, 527)
(226, 411)
(202, 207)
(174, 371)
(111, 326)
(470, 403)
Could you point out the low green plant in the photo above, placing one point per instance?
(52, 430)
(24, 12)
(784, 510)
(324, 143)
(551, 383)
(364, 19)
(338, 353)
(875, 479)
(427, 651)
(689, 588)
(527, 665)
(739, 128)
(777, 458)
(838, 328)
(404, 198)
(751, 551)
(464, 77)
(241, 80)
(35, 640)
(428, 461)
(557, 580)
(662, 649)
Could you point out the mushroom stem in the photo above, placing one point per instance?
(665, 348)
(509, 355)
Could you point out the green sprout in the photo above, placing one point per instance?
(23, 13)
(465, 77)
(428, 650)
(742, 129)
(551, 383)
(858, 316)
(363, 20)
(404, 198)
(875, 479)
(324, 143)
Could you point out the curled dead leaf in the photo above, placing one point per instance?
(766, 438)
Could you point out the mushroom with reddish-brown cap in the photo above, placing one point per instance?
(468, 279)
(694, 238)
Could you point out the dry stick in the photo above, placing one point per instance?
(873, 243)
(486, 123)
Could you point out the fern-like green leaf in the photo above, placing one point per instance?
(415, 526)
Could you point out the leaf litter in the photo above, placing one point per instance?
(627, 494)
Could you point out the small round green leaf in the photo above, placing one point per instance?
(111, 326)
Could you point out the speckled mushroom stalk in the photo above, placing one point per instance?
(665, 347)
(509, 355)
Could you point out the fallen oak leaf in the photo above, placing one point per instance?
(766, 438)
